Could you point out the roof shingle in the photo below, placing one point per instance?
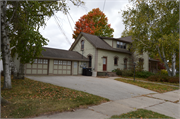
(101, 44)
(62, 54)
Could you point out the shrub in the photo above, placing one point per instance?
(143, 74)
(174, 80)
(127, 73)
(118, 71)
(163, 78)
(163, 72)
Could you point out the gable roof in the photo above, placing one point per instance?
(62, 54)
(98, 43)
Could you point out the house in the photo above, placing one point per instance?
(106, 54)
(101, 54)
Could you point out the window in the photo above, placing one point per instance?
(64, 62)
(115, 61)
(125, 63)
(69, 63)
(82, 45)
(118, 44)
(141, 63)
(121, 45)
(90, 59)
(45, 61)
(55, 61)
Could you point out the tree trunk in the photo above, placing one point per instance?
(21, 71)
(3, 101)
(5, 43)
(173, 64)
(164, 60)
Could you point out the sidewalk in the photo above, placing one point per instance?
(164, 103)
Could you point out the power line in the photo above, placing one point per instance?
(71, 17)
(56, 20)
(104, 5)
(69, 22)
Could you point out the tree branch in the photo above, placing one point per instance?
(14, 12)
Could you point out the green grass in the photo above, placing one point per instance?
(142, 114)
(145, 79)
(30, 98)
(154, 87)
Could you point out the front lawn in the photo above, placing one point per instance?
(142, 114)
(151, 86)
(29, 98)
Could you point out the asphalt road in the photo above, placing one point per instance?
(104, 87)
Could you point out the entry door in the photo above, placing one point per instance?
(104, 63)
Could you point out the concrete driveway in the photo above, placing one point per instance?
(104, 87)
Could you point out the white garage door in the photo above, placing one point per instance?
(62, 67)
(39, 67)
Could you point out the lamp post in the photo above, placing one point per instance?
(134, 69)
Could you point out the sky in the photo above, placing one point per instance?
(62, 39)
(56, 37)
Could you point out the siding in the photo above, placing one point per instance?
(110, 60)
(108, 41)
(146, 60)
(89, 49)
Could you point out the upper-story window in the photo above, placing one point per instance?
(121, 45)
(82, 45)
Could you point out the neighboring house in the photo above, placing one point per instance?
(102, 54)
(106, 54)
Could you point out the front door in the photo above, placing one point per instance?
(104, 63)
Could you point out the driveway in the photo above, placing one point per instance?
(104, 87)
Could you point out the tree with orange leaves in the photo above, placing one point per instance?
(95, 22)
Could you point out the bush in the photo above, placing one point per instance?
(117, 71)
(127, 73)
(174, 80)
(143, 74)
(163, 72)
(163, 78)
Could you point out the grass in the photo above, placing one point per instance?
(141, 113)
(154, 87)
(145, 79)
(30, 98)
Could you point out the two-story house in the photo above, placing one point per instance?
(102, 54)
(106, 54)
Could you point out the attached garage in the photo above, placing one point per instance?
(56, 62)
(39, 67)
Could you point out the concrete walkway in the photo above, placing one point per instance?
(163, 103)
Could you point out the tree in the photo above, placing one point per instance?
(153, 25)
(95, 22)
(20, 30)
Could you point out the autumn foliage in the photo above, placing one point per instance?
(95, 22)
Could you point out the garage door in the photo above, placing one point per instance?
(39, 67)
(62, 67)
